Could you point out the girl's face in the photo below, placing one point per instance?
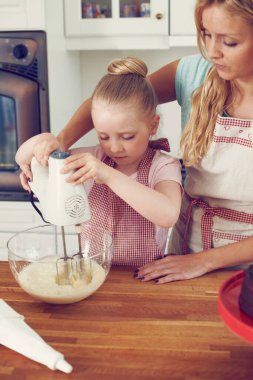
(229, 43)
(123, 132)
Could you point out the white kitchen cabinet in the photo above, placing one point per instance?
(128, 24)
(116, 17)
(116, 24)
(182, 18)
(15, 217)
(182, 26)
(22, 15)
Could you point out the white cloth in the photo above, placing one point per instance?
(17, 335)
(223, 178)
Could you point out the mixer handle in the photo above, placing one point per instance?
(36, 208)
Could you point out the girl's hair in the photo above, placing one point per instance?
(126, 82)
(211, 98)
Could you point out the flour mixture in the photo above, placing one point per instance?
(40, 281)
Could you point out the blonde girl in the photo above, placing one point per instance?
(133, 185)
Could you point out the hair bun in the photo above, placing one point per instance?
(129, 65)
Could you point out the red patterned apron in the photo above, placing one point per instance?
(133, 235)
(217, 208)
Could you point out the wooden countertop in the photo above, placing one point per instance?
(130, 330)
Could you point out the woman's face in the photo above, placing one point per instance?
(229, 43)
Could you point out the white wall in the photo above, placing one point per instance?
(64, 69)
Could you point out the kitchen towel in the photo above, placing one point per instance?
(20, 337)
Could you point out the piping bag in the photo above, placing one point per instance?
(20, 337)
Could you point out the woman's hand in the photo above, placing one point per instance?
(86, 166)
(173, 268)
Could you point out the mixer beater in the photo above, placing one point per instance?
(63, 204)
(72, 269)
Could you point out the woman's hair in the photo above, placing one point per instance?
(211, 98)
(126, 82)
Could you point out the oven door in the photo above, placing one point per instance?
(19, 120)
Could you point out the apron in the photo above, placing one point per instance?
(133, 235)
(217, 207)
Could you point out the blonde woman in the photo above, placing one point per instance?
(215, 91)
(127, 171)
(215, 227)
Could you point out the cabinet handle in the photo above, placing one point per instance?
(159, 16)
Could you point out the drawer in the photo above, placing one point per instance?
(18, 216)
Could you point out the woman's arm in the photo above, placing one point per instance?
(183, 267)
(79, 124)
(163, 82)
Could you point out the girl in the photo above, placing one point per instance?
(133, 187)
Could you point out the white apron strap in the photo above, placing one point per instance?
(207, 221)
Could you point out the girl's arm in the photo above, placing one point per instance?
(39, 146)
(163, 82)
(160, 205)
(36, 146)
(182, 267)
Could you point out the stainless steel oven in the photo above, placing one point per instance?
(24, 101)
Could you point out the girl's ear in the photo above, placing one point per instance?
(154, 124)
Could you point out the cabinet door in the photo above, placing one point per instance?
(115, 18)
(22, 14)
(182, 18)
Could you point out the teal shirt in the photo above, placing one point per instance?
(191, 72)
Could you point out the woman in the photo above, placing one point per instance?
(216, 96)
(216, 220)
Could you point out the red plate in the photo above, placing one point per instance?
(229, 310)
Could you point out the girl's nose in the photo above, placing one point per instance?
(115, 146)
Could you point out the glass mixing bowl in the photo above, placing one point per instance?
(37, 261)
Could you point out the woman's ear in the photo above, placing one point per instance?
(154, 124)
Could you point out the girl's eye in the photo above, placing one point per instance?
(103, 138)
(128, 137)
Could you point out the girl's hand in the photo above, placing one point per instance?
(39, 146)
(25, 176)
(44, 146)
(173, 268)
(86, 166)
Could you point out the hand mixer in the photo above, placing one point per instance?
(62, 204)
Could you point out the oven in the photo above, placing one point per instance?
(24, 102)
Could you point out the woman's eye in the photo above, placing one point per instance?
(205, 34)
(230, 44)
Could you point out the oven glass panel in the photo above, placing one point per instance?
(8, 134)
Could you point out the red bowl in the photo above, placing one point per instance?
(229, 309)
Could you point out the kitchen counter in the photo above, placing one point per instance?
(129, 330)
